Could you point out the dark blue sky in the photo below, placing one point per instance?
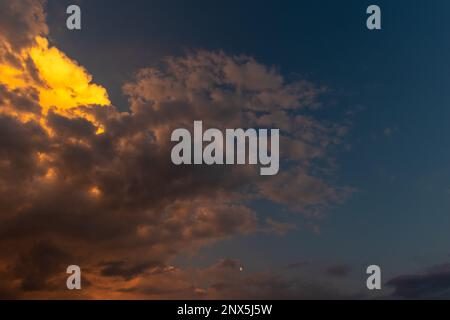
(395, 81)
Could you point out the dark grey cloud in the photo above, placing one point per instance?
(35, 267)
(432, 284)
(339, 270)
(21, 21)
(121, 269)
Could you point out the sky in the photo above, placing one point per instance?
(85, 171)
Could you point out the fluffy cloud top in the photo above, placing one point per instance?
(81, 182)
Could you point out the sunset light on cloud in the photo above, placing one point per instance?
(61, 83)
(66, 84)
(350, 123)
(91, 178)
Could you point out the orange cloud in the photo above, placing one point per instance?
(67, 85)
(61, 83)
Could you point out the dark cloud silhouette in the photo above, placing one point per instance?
(21, 21)
(36, 266)
(120, 269)
(432, 284)
(339, 270)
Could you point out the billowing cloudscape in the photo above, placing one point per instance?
(84, 183)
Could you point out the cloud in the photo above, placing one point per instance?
(59, 83)
(83, 183)
(339, 270)
(36, 77)
(280, 228)
(432, 284)
(119, 269)
(66, 84)
(225, 280)
(36, 266)
(21, 22)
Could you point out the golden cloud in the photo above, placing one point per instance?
(61, 83)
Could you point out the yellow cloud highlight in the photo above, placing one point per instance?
(63, 85)
(11, 76)
(95, 191)
(69, 85)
